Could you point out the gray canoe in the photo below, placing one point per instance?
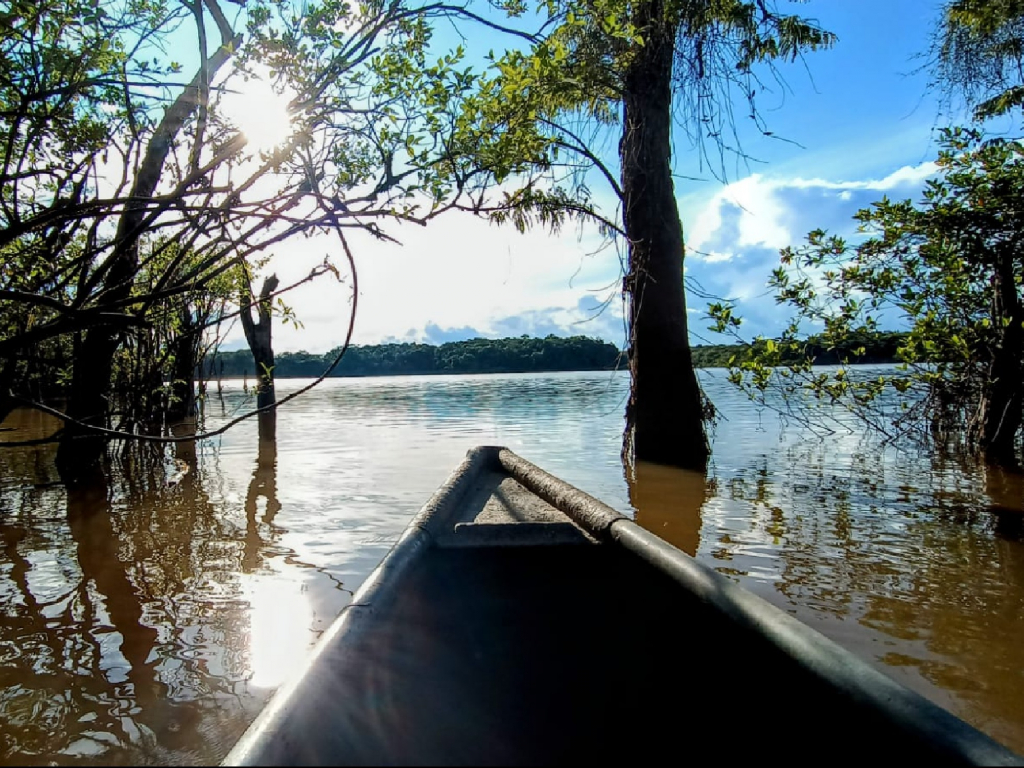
(520, 621)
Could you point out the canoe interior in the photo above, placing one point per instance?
(546, 654)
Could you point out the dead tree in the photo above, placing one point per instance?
(258, 335)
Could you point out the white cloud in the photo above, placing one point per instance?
(760, 219)
(460, 271)
(905, 176)
(711, 257)
(736, 234)
(763, 217)
(908, 175)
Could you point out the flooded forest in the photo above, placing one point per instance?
(193, 193)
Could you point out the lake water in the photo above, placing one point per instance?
(149, 620)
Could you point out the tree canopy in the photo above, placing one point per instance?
(978, 52)
(861, 349)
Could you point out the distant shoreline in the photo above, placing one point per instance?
(235, 377)
(523, 354)
(501, 373)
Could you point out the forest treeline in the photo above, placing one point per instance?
(512, 355)
(518, 355)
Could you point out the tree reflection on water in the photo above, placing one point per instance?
(126, 632)
(929, 572)
(668, 501)
(262, 487)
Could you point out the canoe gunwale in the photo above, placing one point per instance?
(592, 515)
(823, 657)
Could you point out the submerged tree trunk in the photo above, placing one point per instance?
(183, 373)
(664, 416)
(1001, 406)
(79, 452)
(94, 350)
(258, 334)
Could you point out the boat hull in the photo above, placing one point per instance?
(589, 644)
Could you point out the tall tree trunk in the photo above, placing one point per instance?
(93, 359)
(664, 416)
(1001, 405)
(79, 453)
(7, 401)
(258, 334)
(183, 372)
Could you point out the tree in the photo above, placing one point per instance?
(977, 54)
(258, 334)
(949, 268)
(637, 65)
(154, 370)
(108, 149)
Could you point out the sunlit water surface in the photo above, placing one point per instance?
(149, 620)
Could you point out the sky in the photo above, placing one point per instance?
(852, 124)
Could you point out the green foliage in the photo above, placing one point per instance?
(541, 100)
(936, 267)
(875, 349)
(978, 53)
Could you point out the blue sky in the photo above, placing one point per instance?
(859, 122)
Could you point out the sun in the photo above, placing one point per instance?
(259, 110)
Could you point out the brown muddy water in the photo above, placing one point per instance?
(149, 619)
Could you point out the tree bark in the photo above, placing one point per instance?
(258, 335)
(1001, 404)
(183, 372)
(664, 416)
(78, 452)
